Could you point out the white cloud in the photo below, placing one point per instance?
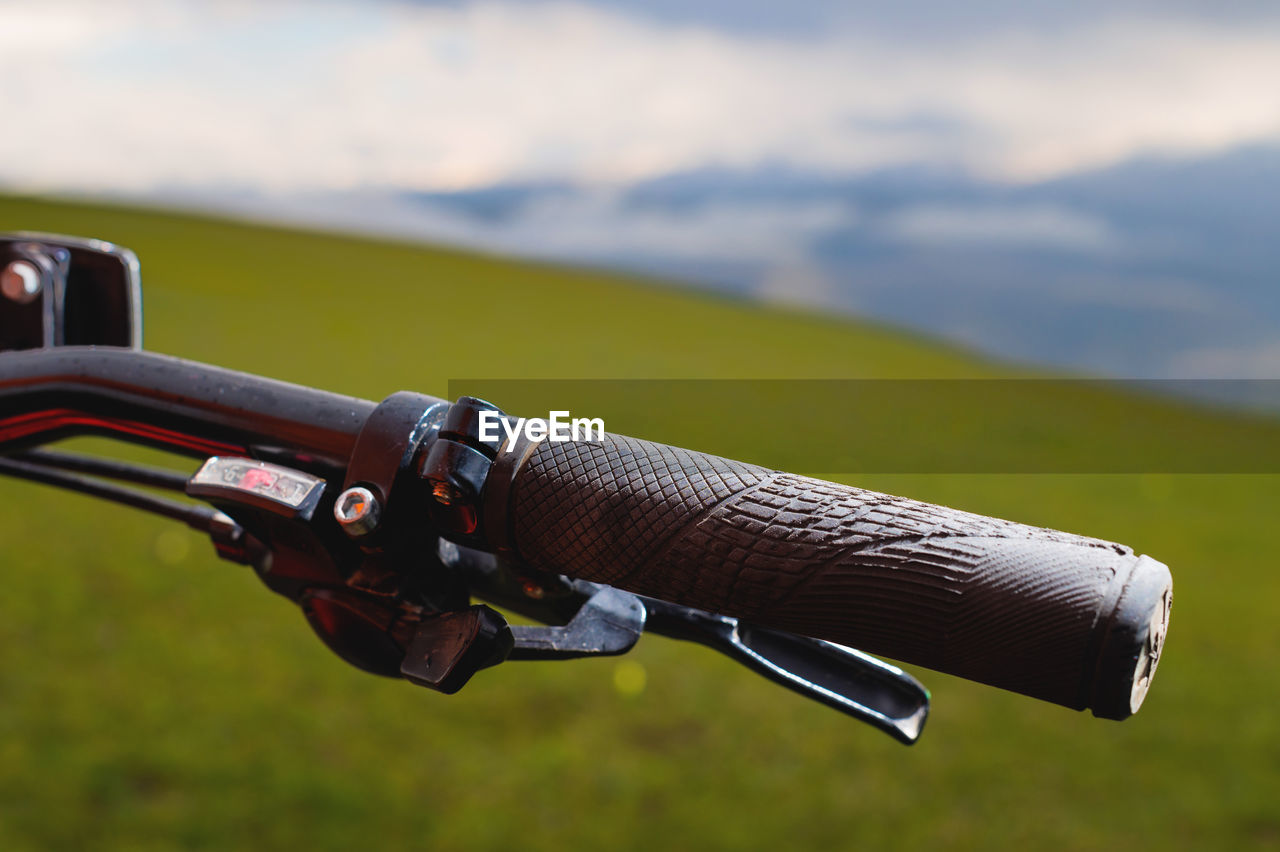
(576, 225)
(1021, 226)
(597, 226)
(36, 33)
(1251, 361)
(800, 284)
(138, 94)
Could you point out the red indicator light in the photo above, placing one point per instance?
(255, 478)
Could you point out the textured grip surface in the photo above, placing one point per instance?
(1024, 608)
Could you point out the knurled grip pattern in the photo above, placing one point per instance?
(1019, 607)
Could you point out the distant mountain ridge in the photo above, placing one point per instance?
(1155, 267)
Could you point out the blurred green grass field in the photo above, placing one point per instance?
(152, 697)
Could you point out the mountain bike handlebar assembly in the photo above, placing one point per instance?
(384, 521)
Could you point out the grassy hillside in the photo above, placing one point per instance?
(154, 697)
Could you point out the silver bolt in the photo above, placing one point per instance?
(21, 282)
(357, 511)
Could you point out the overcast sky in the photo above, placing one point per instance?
(136, 94)
(1093, 184)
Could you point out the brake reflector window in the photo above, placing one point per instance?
(281, 484)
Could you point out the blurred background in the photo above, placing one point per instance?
(618, 190)
(1092, 185)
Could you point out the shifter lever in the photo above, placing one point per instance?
(601, 620)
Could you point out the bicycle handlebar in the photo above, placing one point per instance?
(1073, 620)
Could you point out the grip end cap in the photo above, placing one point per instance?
(1133, 641)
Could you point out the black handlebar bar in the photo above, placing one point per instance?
(184, 406)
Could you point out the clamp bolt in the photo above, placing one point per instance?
(357, 511)
(21, 282)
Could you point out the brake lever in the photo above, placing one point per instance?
(590, 619)
(856, 684)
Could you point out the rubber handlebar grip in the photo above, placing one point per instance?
(1072, 620)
